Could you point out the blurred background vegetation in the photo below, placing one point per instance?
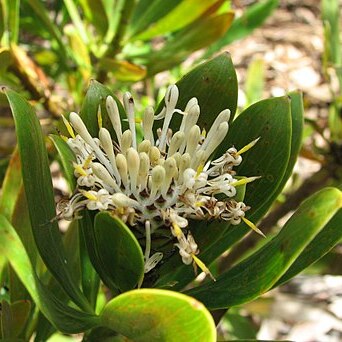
(49, 50)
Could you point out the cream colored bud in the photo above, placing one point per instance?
(177, 156)
(129, 107)
(171, 171)
(217, 139)
(184, 163)
(222, 117)
(126, 141)
(121, 200)
(107, 144)
(133, 163)
(171, 96)
(154, 155)
(157, 179)
(193, 116)
(121, 164)
(81, 128)
(158, 175)
(143, 169)
(101, 172)
(147, 124)
(170, 167)
(114, 116)
(144, 146)
(176, 142)
(193, 139)
(193, 101)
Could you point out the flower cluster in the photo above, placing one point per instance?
(162, 181)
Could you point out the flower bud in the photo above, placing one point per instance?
(114, 116)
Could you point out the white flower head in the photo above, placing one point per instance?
(164, 180)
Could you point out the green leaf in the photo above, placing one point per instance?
(259, 272)
(159, 315)
(22, 224)
(5, 59)
(43, 15)
(39, 194)
(65, 318)
(328, 238)
(255, 80)
(147, 12)
(271, 120)
(14, 317)
(89, 278)
(96, 95)
(180, 16)
(76, 19)
(253, 17)
(80, 51)
(330, 15)
(95, 13)
(11, 186)
(184, 42)
(87, 234)
(123, 70)
(119, 251)
(67, 157)
(10, 12)
(297, 121)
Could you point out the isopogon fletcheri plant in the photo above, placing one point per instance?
(157, 183)
(151, 194)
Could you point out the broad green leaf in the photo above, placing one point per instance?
(182, 15)
(39, 194)
(159, 315)
(329, 237)
(123, 70)
(67, 157)
(65, 318)
(11, 186)
(95, 97)
(22, 224)
(89, 278)
(119, 251)
(297, 121)
(269, 119)
(259, 272)
(87, 234)
(253, 17)
(178, 48)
